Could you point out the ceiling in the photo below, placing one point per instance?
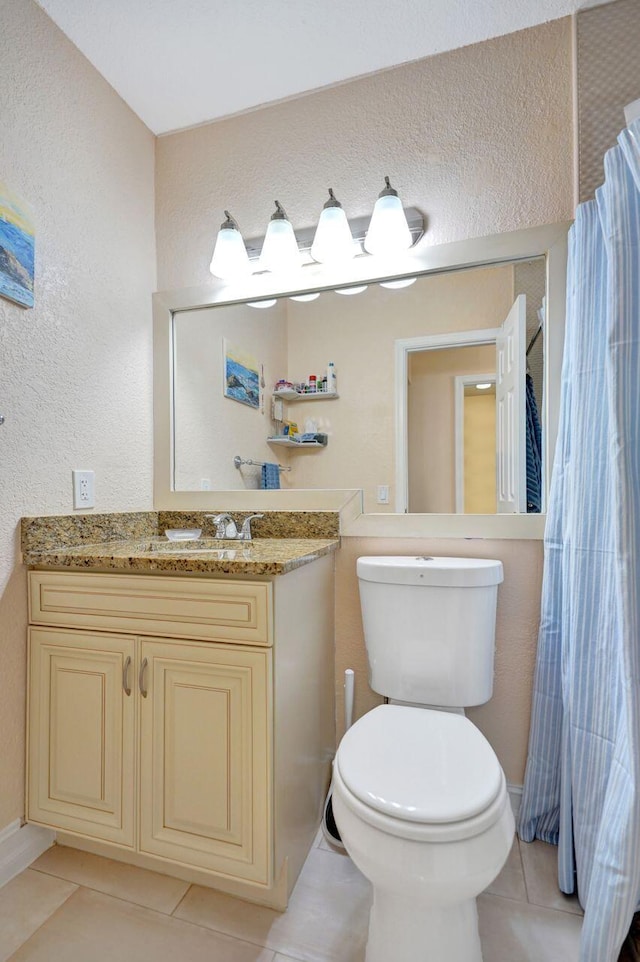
(178, 63)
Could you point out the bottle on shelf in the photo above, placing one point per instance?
(313, 384)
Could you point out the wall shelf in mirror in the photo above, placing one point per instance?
(298, 445)
(290, 395)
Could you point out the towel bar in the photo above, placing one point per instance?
(238, 462)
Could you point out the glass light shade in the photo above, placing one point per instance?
(397, 285)
(333, 242)
(351, 290)
(262, 304)
(388, 231)
(230, 258)
(483, 387)
(280, 249)
(305, 297)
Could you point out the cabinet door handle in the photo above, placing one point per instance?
(143, 665)
(125, 676)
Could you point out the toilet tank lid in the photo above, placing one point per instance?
(419, 765)
(426, 570)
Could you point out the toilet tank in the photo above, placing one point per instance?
(429, 627)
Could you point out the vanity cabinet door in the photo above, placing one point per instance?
(205, 756)
(81, 733)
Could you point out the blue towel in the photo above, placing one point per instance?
(270, 476)
(534, 452)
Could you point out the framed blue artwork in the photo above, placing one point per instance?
(17, 246)
(241, 377)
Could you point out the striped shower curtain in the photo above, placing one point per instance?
(582, 784)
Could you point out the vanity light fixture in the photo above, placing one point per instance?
(396, 285)
(230, 258)
(483, 387)
(280, 249)
(333, 242)
(388, 231)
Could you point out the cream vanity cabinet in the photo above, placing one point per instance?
(183, 723)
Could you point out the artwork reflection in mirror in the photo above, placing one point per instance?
(295, 340)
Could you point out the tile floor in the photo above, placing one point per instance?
(73, 907)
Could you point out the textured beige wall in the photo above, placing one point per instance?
(75, 372)
(480, 139)
(505, 719)
(608, 53)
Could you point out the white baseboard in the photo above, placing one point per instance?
(20, 846)
(515, 794)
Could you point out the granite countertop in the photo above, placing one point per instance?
(262, 556)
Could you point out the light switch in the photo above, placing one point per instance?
(383, 494)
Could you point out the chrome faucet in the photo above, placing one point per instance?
(245, 533)
(226, 527)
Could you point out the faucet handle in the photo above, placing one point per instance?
(245, 533)
(225, 525)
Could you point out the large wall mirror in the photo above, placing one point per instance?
(447, 387)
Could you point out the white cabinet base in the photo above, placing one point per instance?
(251, 661)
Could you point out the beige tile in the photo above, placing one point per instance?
(510, 882)
(540, 864)
(327, 917)
(154, 891)
(513, 931)
(92, 927)
(25, 903)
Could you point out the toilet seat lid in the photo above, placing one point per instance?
(419, 765)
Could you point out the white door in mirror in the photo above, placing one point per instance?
(511, 468)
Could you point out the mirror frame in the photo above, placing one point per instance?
(549, 241)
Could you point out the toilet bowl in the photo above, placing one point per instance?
(421, 803)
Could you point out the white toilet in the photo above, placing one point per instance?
(419, 796)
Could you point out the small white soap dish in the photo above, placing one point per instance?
(183, 534)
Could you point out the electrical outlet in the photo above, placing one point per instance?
(84, 489)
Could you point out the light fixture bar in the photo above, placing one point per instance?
(358, 225)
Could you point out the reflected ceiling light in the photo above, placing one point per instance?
(333, 242)
(230, 258)
(388, 231)
(351, 290)
(305, 297)
(262, 304)
(396, 285)
(280, 249)
(484, 387)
